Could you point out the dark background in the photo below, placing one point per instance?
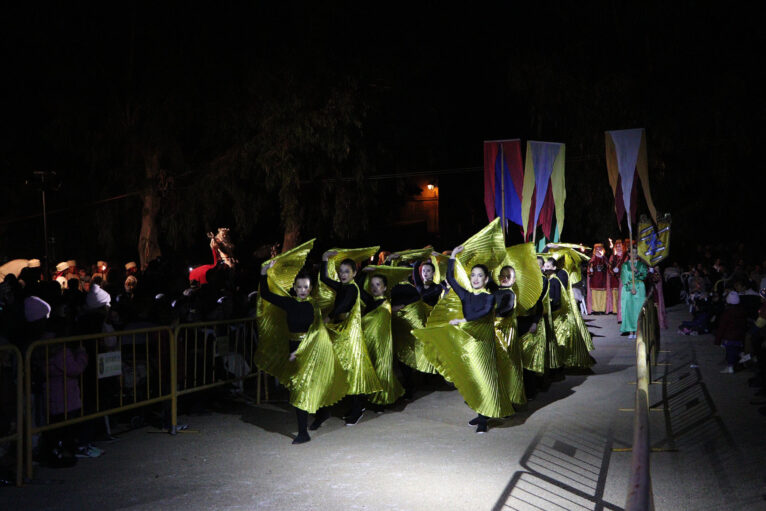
(265, 114)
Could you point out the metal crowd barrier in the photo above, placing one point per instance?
(640, 496)
(214, 353)
(131, 369)
(12, 375)
(124, 370)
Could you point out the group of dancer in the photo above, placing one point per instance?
(620, 283)
(497, 322)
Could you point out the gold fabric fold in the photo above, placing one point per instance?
(539, 349)
(470, 356)
(446, 309)
(507, 330)
(573, 338)
(273, 349)
(348, 340)
(318, 378)
(324, 295)
(409, 349)
(393, 274)
(529, 283)
(376, 325)
(568, 259)
(416, 254)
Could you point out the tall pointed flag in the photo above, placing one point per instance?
(626, 157)
(503, 180)
(544, 192)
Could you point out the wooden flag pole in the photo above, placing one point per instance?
(502, 186)
(632, 259)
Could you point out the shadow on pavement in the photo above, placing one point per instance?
(564, 468)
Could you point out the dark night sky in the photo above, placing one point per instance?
(437, 83)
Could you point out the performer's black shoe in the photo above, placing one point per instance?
(354, 420)
(481, 429)
(302, 438)
(475, 421)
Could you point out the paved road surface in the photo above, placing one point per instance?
(555, 454)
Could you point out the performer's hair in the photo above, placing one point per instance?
(553, 262)
(428, 263)
(540, 259)
(482, 268)
(303, 274)
(509, 267)
(381, 277)
(350, 263)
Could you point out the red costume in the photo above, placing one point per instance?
(613, 279)
(597, 280)
(222, 248)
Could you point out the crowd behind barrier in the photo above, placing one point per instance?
(95, 345)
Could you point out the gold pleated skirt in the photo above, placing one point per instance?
(380, 346)
(511, 342)
(539, 350)
(409, 349)
(348, 341)
(318, 378)
(471, 356)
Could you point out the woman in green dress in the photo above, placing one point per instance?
(633, 295)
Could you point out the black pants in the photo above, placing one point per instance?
(303, 421)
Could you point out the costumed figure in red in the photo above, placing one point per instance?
(597, 281)
(613, 285)
(223, 253)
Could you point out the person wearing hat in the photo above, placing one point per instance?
(596, 281)
(100, 270)
(632, 276)
(613, 284)
(62, 269)
(131, 268)
(732, 326)
(32, 273)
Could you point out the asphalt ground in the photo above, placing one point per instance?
(564, 450)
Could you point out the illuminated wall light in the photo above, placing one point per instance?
(430, 186)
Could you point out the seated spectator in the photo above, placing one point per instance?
(731, 330)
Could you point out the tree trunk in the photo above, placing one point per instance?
(148, 245)
(292, 234)
(148, 241)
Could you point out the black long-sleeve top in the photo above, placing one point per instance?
(563, 277)
(475, 306)
(370, 302)
(300, 315)
(345, 294)
(505, 302)
(431, 294)
(404, 294)
(554, 292)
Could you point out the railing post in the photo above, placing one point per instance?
(28, 404)
(640, 485)
(173, 381)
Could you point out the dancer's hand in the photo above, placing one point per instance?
(266, 267)
(327, 255)
(292, 357)
(456, 251)
(456, 321)
(533, 328)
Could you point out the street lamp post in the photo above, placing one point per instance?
(41, 176)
